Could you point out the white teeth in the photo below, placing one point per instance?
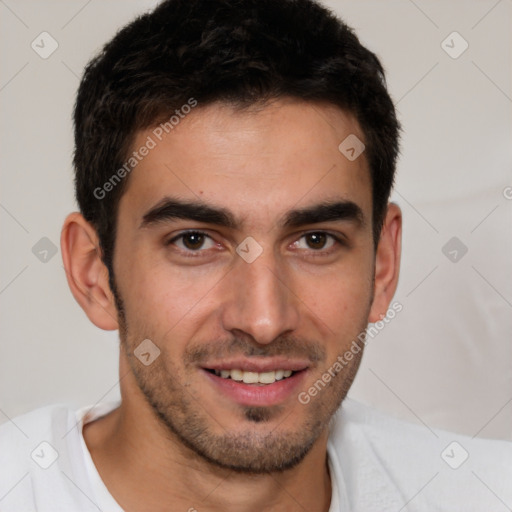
(237, 375)
(267, 377)
(254, 377)
(250, 377)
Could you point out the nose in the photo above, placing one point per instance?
(260, 300)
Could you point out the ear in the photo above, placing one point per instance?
(86, 273)
(387, 263)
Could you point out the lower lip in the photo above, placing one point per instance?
(258, 395)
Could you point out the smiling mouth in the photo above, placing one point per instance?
(258, 378)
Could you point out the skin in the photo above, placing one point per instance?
(177, 439)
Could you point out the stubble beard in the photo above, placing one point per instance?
(253, 451)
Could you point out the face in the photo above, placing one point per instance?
(244, 253)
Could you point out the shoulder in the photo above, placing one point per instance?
(27, 431)
(35, 449)
(440, 469)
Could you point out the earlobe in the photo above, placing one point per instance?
(387, 263)
(86, 273)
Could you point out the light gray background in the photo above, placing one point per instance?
(444, 361)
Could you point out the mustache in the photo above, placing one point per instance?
(283, 346)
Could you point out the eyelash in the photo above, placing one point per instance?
(315, 253)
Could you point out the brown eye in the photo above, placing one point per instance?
(317, 241)
(192, 241)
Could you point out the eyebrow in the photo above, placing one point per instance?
(170, 209)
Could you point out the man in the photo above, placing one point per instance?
(234, 161)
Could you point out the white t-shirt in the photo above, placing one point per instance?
(377, 464)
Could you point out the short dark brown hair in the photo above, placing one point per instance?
(238, 51)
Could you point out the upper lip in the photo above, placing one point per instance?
(259, 365)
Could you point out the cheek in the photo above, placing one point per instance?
(341, 311)
(338, 306)
(340, 294)
(160, 295)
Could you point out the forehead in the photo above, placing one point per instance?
(256, 162)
